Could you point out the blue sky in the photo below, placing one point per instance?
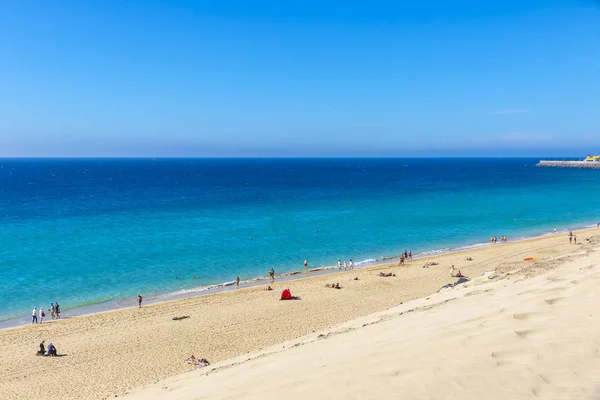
(299, 78)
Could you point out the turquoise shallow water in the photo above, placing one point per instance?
(86, 231)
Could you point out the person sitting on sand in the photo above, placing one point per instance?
(356, 278)
(51, 350)
(42, 350)
(452, 270)
(337, 286)
(469, 258)
(459, 274)
(269, 288)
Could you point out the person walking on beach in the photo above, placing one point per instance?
(52, 310)
(554, 229)
(139, 301)
(340, 265)
(410, 255)
(272, 275)
(574, 239)
(237, 282)
(351, 264)
(345, 266)
(57, 310)
(42, 314)
(570, 238)
(34, 316)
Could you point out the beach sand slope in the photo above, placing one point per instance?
(497, 341)
(533, 338)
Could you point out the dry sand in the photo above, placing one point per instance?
(500, 339)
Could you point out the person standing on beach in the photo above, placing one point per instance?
(574, 239)
(340, 265)
(410, 255)
(345, 266)
(34, 316)
(351, 264)
(57, 310)
(237, 282)
(272, 275)
(139, 301)
(554, 229)
(52, 310)
(570, 238)
(42, 314)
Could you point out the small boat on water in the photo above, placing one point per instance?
(593, 158)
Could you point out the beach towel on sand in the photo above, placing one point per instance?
(286, 295)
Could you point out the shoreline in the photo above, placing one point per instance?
(111, 353)
(229, 286)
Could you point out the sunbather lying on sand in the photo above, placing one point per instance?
(386, 275)
(202, 362)
(333, 285)
(430, 264)
(180, 318)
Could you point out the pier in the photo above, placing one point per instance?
(568, 164)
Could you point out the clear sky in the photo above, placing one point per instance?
(299, 78)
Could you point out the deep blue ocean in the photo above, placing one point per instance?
(85, 231)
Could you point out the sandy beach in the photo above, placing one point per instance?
(524, 331)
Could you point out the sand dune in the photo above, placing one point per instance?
(497, 340)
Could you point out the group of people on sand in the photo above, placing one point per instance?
(37, 316)
(346, 266)
(494, 239)
(455, 274)
(50, 351)
(407, 255)
(333, 285)
(572, 238)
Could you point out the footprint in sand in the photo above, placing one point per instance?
(528, 333)
(513, 357)
(553, 279)
(554, 300)
(529, 316)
